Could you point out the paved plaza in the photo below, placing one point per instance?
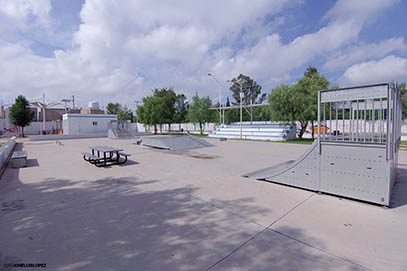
(191, 210)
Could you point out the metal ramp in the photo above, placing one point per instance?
(123, 129)
(300, 173)
(175, 143)
(356, 157)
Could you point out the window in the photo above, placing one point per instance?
(95, 123)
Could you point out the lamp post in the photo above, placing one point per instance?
(220, 98)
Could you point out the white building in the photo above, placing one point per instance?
(75, 124)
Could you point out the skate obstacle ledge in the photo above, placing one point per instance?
(356, 156)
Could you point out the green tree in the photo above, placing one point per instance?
(311, 70)
(300, 101)
(251, 90)
(282, 107)
(124, 113)
(113, 108)
(159, 108)
(403, 90)
(305, 97)
(150, 113)
(198, 111)
(181, 106)
(20, 113)
(166, 99)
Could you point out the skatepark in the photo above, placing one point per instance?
(183, 203)
(188, 210)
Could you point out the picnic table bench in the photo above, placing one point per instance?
(102, 156)
(19, 159)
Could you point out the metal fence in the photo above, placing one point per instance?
(372, 115)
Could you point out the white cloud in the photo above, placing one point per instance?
(362, 11)
(390, 68)
(124, 48)
(18, 13)
(363, 51)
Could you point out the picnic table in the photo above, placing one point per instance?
(102, 156)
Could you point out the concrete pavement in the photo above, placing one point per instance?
(189, 210)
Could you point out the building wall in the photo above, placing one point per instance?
(92, 111)
(75, 124)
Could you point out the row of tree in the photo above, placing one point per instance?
(164, 106)
(296, 102)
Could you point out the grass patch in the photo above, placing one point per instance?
(1, 144)
(170, 134)
(306, 141)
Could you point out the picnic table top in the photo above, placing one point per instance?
(19, 154)
(105, 148)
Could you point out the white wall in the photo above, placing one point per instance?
(75, 124)
(187, 127)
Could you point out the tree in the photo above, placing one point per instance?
(181, 105)
(113, 108)
(311, 70)
(150, 113)
(305, 97)
(300, 101)
(124, 113)
(198, 111)
(282, 107)
(403, 90)
(166, 99)
(158, 108)
(251, 90)
(20, 113)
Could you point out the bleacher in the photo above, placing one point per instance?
(271, 131)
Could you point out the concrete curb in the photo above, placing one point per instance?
(62, 137)
(5, 153)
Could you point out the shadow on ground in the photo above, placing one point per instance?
(138, 224)
(399, 191)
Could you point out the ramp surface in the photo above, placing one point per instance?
(301, 172)
(175, 143)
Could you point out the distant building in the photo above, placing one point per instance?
(2, 112)
(92, 111)
(75, 124)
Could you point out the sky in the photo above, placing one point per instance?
(118, 51)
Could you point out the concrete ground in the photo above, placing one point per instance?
(165, 210)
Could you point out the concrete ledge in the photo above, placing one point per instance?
(62, 137)
(5, 152)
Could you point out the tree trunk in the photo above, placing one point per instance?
(200, 127)
(155, 129)
(161, 128)
(312, 129)
(169, 128)
(22, 131)
(304, 125)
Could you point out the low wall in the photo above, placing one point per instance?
(5, 152)
(62, 137)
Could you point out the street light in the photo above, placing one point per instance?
(220, 99)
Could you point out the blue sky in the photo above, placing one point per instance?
(109, 50)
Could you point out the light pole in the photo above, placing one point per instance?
(220, 99)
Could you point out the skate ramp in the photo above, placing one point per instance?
(300, 173)
(175, 143)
